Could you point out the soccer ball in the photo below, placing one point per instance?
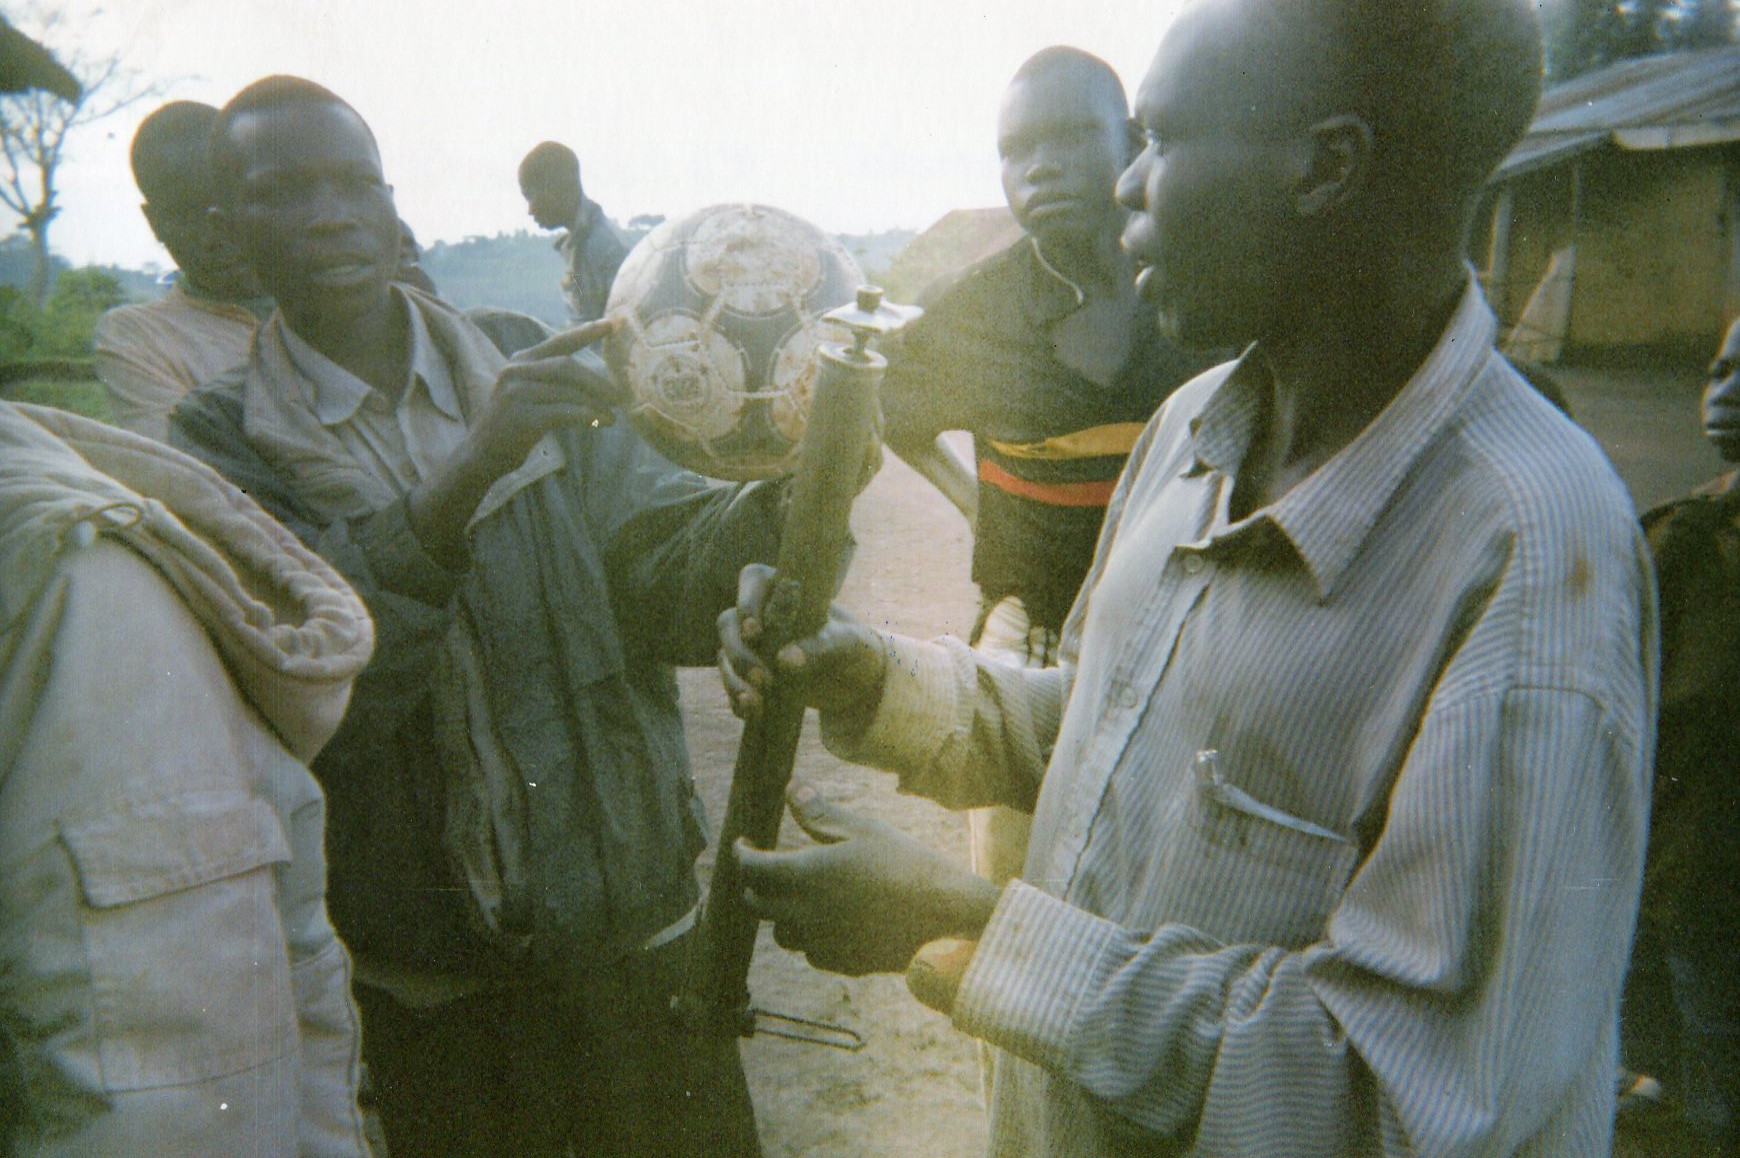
(719, 320)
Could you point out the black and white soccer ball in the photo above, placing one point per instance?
(719, 323)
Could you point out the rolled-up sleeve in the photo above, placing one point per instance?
(958, 727)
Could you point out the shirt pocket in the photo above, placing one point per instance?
(182, 937)
(1264, 875)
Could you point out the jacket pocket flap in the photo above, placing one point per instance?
(147, 848)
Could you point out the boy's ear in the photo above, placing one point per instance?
(1334, 163)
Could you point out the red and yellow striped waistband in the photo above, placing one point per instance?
(1058, 494)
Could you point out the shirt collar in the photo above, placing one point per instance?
(1328, 516)
(1223, 430)
(339, 394)
(574, 237)
(585, 218)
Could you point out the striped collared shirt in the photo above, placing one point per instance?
(1341, 825)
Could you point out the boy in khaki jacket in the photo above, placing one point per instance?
(170, 659)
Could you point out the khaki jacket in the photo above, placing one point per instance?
(510, 796)
(169, 659)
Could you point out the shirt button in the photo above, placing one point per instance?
(1193, 564)
(1127, 697)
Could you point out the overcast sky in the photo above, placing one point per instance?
(858, 116)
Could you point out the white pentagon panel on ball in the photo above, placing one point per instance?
(756, 260)
(719, 324)
(694, 378)
(794, 376)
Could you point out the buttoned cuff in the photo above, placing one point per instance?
(915, 718)
(1036, 960)
(397, 558)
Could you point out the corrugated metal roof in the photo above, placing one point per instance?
(1645, 102)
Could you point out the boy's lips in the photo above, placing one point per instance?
(341, 270)
(1050, 205)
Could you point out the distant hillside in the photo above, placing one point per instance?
(516, 271)
(522, 270)
(138, 285)
(17, 258)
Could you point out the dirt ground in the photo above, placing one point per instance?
(914, 1088)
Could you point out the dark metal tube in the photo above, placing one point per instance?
(812, 556)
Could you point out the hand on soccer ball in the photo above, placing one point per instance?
(541, 388)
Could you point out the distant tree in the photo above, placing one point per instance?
(18, 261)
(34, 128)
(1704, 24)
(1586, 34)
(80, 296)
(18, 324)
(136, 285)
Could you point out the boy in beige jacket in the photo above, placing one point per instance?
(170, 658)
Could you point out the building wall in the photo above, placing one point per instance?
(1654, 251)
(1656, 246)
(1540, 222)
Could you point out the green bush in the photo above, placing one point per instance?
(80, 297)
(18, 324)
(45, 354)
(62, 327)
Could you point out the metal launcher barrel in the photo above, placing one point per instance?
(836, 446)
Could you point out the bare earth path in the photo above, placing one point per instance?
(914, 1089)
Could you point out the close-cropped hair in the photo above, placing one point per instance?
(549, 159)
(272, 92)
(1088, 67)
(1448, 87)
(157, 154)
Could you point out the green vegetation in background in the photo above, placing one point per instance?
(17, 258)
(62, 327)
(45, 354)
(84, 396)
